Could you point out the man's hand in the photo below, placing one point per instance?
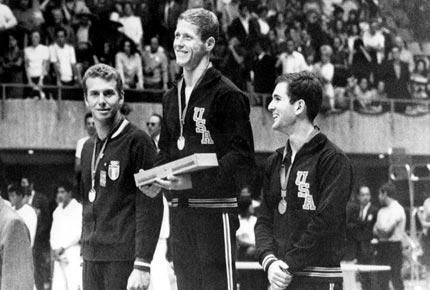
(138, 280)
(278, 275)
(179, 182)
(150, 190)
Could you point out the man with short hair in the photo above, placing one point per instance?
(214, 116)
(291, 60)
(16, 261)
(26, 212)
(361, 219)
(155, 70)
(390, 231)
(66, 233)
(301, 228)
(120, 225)
(154, 128)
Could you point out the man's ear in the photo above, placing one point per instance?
(210, 43)
(86, 101)
(300, 106)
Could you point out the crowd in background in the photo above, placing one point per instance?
(363, 49)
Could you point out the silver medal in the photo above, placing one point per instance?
(181, 142)
(92, 195)
(282, 206)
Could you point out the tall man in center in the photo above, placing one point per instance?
(204, 113)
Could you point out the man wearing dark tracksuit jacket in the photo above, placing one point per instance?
(300, 232)
(214, 118)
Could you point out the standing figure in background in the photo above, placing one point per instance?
(16, 261)
(360, 224)
(132, 25)
(129, 65)
(390, 231)
(424, 217)
(41, 248)
(154, 128)
(26, 212)
(156, 75)
(65, 236)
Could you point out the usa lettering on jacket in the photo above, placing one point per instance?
(201, 126)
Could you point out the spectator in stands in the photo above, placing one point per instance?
(262, 20)
(29, 17)
(307, 45)
(15, 258)
(129, 65)
(365, 95)
(107, 55)
(156, 75)
(405, 54)
(374, 41)
(170, 11)
(26, 212)
(41, 248)
(264, 68)
(58, 21)
(132, 25)
(280, 27)
(273, 43)
(360, 222)
(396, 76)
(353, 33)
(7, 21)
(64, 238)
(424, 218)
(390, 231)
(245, 235)
(291, 60)
(87, 37)
(12, 63)
(340, 62)
(245, 27)
(352, 17)
(360, 61)
(326, 70)
(234, 65)
(230, 11)
(63, 58)
(36, 64)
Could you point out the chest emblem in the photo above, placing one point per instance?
(113, 170)
(303, 190)
(201, 126)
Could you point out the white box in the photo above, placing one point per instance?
(187, 164)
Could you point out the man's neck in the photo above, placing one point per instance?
(66, 203)
(300, 136)
(19, 205)
(191, 76)
(104, 128)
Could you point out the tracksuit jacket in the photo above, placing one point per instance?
(216, 121)
(310, 236)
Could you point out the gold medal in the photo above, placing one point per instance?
(92, 195)
(181, 143)
(282, 206)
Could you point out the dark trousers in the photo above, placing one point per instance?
(204, 249)
(390, 253)
(365, 257)
(305, 284)
(42, 267)
(106, 275)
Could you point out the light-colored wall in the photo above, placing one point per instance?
(26, 124)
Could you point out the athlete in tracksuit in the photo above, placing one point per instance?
(204, 217)
(302, 224)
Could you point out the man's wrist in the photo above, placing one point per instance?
(267, 261)
(142, 265)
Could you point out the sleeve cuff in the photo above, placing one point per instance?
(267, 261)
(143, 266)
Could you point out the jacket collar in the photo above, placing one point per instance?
(311, 146)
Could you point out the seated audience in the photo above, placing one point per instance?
(129, 64)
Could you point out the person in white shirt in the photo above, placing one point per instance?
(291, 60)
(326, 69)
(128, 62)
(36, 63)
(25, 211)
(390, 231)
(63, 57)
(374, 41)
(7, 19)
(65, 236)
(132, 25)
(262, 20)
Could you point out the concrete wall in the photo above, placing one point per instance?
(33, 124)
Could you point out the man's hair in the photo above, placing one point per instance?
(87, 116)
(205, 20)
(389, 188)
(60, 28)
(104, 72)
(14, 187)
(306, 86)
(66, 185)
(158, 116)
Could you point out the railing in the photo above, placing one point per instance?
(60, 93)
